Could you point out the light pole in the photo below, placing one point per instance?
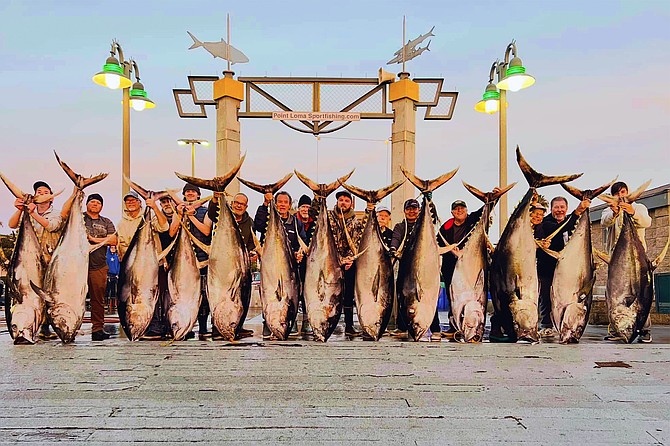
(511, 76)
(115, 74)
(193, 142)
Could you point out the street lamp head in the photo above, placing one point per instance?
(112, 75)
(138, 98)
(515, 76)
(186, 141)
(490, 102)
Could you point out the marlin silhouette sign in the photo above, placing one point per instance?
(220, 49)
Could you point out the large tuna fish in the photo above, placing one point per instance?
(24, 309)
(574, 276)
(280, 283)
(629, 292)
(138, 281)
(468, 291)
(375, 287)
(419, 270)
(324, 277)
(513, 282)
(66, 279)
(229, 271)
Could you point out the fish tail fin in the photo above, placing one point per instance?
(137, 188)
(373, 196)
(15, 190)
(217, 184)
(537, 179)
(79, 181)
(488, 197)
(586, 194)
(657, 261)
(267, 188)
(631, 197)
(323, 190)
(196, 42)
(428, 185)
(41, 293)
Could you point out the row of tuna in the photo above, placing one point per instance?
(510, 275)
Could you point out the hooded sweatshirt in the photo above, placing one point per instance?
(128, 226)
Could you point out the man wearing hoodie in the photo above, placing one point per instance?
(132, 217)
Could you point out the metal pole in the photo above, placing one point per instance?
(403, 44)
(503, 159)
(192, 159)
(126, 135)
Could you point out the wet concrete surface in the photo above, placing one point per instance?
(346, 391)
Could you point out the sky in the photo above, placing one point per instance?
(600, 104)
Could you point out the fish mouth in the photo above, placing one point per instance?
(23, 337)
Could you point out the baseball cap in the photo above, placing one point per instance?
(189, 186)
(131, 193)
(383, 209)
(39, 184)
(344, 193)
(411, 203)
(458, 203)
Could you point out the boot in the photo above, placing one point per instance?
(306, 328)
(349, 329)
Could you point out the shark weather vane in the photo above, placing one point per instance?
(222, 49)
(409, 50)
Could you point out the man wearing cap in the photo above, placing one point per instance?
(99, 230)
(402, 233)
(132, 217)
(546, 264)
(347, 232)
(305, 215)
(384, 220)
(293, 226)
(48, 225)
(195, 220)
(453, 231)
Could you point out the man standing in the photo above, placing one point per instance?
(347, 231)
(304, 215)
(546, 264)
(384, 220)
(294, 228)
(194, 218)
(48, 225)
(99, 230)
(612, 220)
(132, 217)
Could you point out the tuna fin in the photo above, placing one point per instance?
(217, 184)
(428, 185)
(166, 251)
(202, 264)
(488, 197)
(322, 190)
(137, 188)
(279, 292)
(267, 188)
(97, 246)
(48, 197)
(551, 252)
(41, 293)
(197, 242)
(657, 261)
(445, 249)
(535, 178)
(77, 179)
(632, 196)
(18, 193)
(558, 230)
(608, 199)
(357, 255)
(586, 194)
(373, 196)
(602, 256)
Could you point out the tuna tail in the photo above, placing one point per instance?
(537, 179)
(323, 190)
(196, 42)
(586, 194)
(373, 196)
(488, 197)
(78, 180)
(632, 196)
(267, 188)
(428, 185)
(217, 184)
(657, 261)
(14, 189)
(144, 193)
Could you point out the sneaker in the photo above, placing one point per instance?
(100, 335)
(398, 333)
(47, 335)
(547, 333)
(500, 338)
(645, 337)
(243, 332)
(189, 335)
(436, 337)
(266, 331)
(152, 336)
(613, 338)
(426, 336)
(448, 334)
(351, 331)
(216, 335)
(306, 328)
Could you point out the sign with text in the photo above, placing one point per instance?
(315, 116)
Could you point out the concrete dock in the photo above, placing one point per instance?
(342, 392)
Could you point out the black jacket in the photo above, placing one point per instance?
(294, 227)
(546, 264)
